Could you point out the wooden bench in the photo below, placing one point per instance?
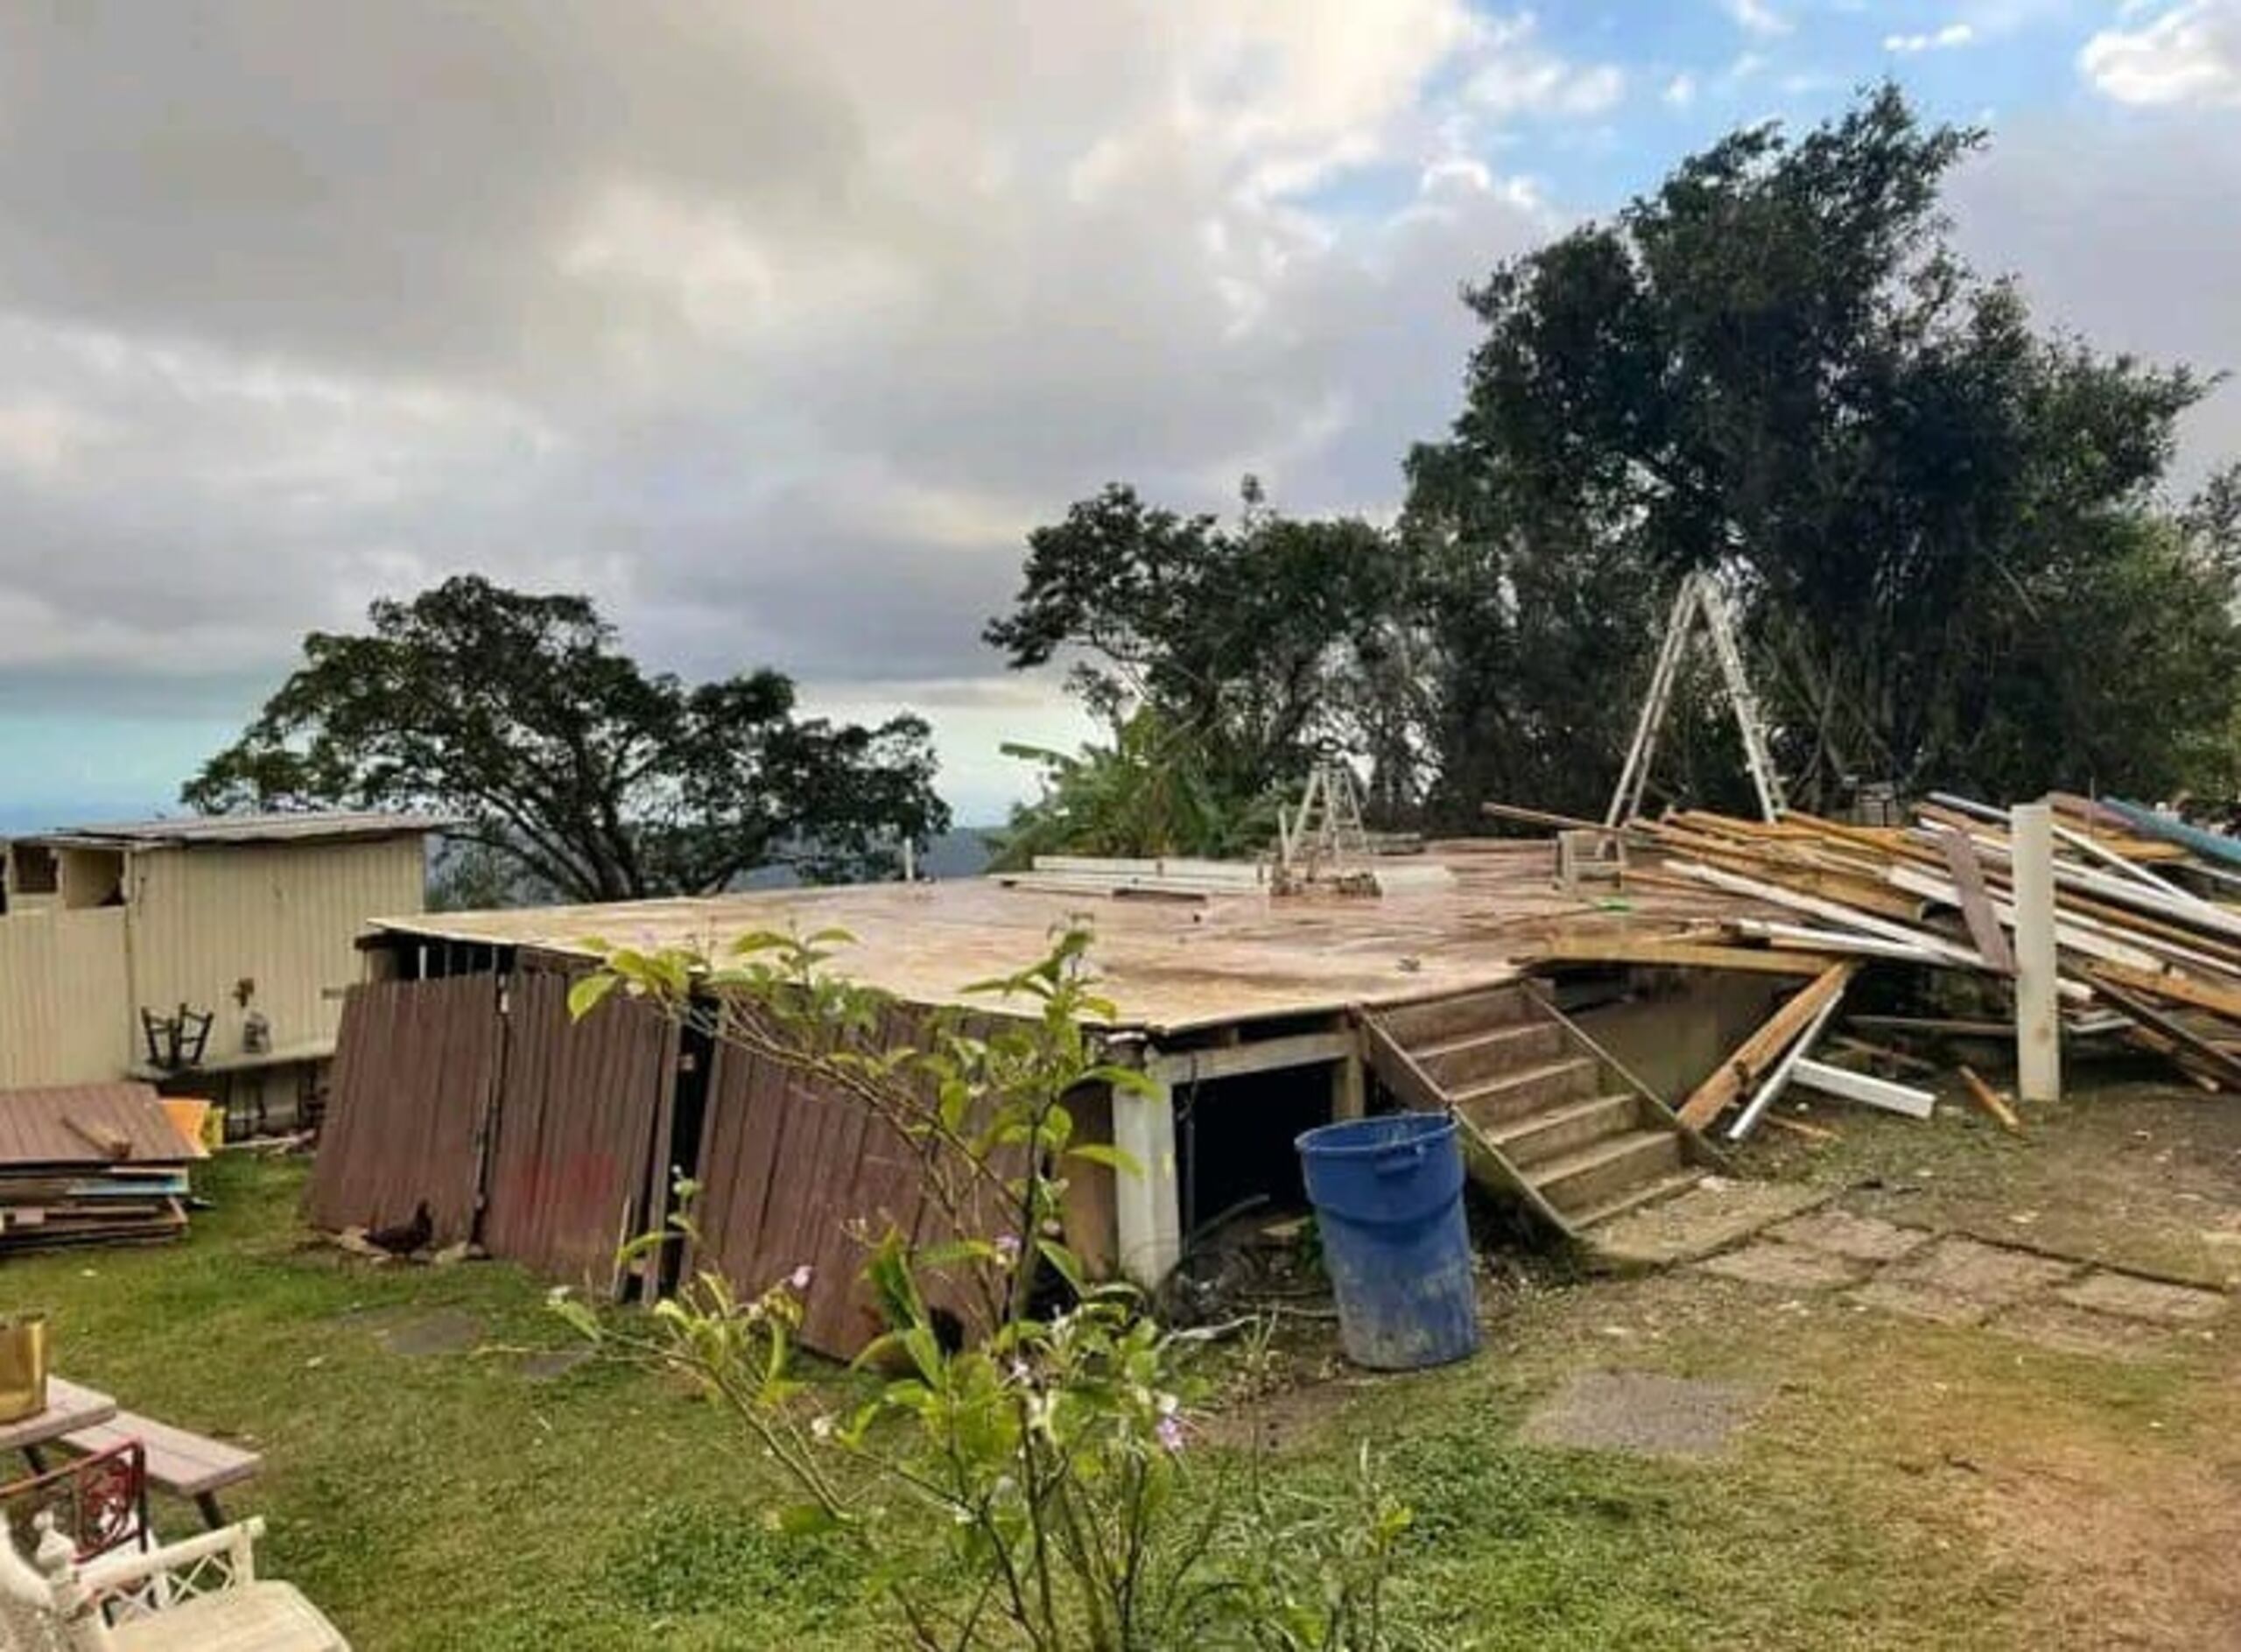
(187, 1464)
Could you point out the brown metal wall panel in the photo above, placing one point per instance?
(579, 1105)
(792, 1174)
(415, 1070)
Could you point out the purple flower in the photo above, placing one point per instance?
(800, 1277)
(1169, 1433)
(1007, 1246)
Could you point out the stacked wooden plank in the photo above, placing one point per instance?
(90, 1165)
(2148, 943)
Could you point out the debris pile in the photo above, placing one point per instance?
(2147, 949)
(86, 1164)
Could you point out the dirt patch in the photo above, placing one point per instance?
(445, 1331)
(1642, 1413)
(2126, 1560)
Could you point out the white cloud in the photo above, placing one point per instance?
(1680, 90)
(1519, 75)
(1953, 34)
(2187, 53)
(773, 327)
(1756, 16)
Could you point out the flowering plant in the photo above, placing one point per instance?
(1041, 1423)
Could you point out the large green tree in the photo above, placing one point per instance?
(1261, 644)
(1941, 524)
(516, 715)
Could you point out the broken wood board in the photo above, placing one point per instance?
(1763, 1048)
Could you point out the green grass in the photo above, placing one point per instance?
(444, 1501)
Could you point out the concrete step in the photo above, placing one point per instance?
(1543, 1136)
(1637, 1196)
(1589, 1178)
(1454, 1064)
(1412, 1026)
(1494, 1103)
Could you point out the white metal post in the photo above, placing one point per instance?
(1147, 1203)
(2038, 1014)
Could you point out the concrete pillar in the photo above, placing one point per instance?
(2038, 1006)
(1148, 1206)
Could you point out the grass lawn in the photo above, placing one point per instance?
(443, 1501)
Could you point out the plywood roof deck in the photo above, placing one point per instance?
(1170, 966)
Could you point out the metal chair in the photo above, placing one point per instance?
(100, 1501)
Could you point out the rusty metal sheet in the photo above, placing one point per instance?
(35, 1126)
(793, 1173)
(579, 1105)
(416, 1068)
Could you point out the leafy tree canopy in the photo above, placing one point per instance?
(1252, 643)
(1940, 524)
(517, 714)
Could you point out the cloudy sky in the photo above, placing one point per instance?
(775, 325)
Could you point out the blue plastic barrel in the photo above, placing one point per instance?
(1387, 1194)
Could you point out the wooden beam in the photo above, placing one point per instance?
(1763, 1048)
(2174, 988)
(1991, 1101)
(1976, 904)
(1182, 1068)
(1863, 1088)
(1769, 1091)
(1542, 816)
(2038, 1002)
(2174, 1032)
(1644, 949)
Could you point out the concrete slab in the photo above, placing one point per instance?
(446, 1331)
(1768, 1261)
(2128, 1295)
(1990, 1273)
(1861, 1238)
(1642, 1413)
(1709, 1217)
(551, 1364)
(2066, 1329)
(1921, 1302)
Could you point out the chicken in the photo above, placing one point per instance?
(404, 1238)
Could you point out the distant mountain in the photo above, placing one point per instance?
(960, 852)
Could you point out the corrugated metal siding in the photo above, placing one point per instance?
(415, 1075)
(284, 916)
(791, 1175)
(64, 998)
(579, 1105)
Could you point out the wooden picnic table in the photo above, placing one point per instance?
(69, 1408)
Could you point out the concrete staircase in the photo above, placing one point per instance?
(1549, 1120)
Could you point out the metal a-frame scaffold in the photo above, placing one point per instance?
(1699, 599)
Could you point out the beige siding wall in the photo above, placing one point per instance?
(65, 998)
(284, 915)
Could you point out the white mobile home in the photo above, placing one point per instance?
(207, 953)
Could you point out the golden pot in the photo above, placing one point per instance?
(23, 1367)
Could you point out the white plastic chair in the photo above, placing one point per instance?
(201, 1595)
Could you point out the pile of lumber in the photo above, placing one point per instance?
(2147, 925)
(90, 1164)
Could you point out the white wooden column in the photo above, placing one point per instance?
(1147, 1204)
(2038, 1010)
